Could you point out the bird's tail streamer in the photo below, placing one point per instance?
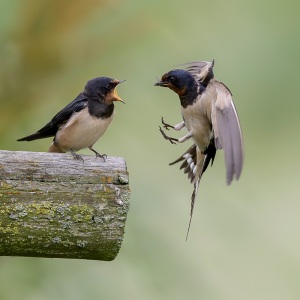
(196, 187)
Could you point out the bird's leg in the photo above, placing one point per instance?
(103, 156)
(172, 140)
(76, 156)
(185, 138)
(179, 126)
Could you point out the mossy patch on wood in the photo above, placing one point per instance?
(76, 214)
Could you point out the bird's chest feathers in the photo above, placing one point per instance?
(82, 130)
(197, 120)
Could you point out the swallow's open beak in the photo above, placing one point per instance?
(116, 97)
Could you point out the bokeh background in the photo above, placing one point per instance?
(244, 241)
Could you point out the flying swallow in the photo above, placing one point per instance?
(211, 120)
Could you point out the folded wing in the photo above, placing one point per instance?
(59, 119)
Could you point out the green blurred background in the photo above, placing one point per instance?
(244, 241)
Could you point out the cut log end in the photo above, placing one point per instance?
(54, 206)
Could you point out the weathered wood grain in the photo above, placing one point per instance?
(54, 206)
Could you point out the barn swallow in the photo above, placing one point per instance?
(210, 117)
(83, 121)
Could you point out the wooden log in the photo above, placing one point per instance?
(54, 206)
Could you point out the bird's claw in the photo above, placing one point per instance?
(165, 125)
(77, 156)
(103, 156)
(170, 139)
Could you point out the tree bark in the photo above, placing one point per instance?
(54, 206)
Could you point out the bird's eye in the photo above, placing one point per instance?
(171, 79)
(109, 86)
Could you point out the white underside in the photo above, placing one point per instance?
(81, 131)
(197, 121)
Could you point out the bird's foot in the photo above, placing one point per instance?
(172, 140)
(77, 156)
(103, 156)
(165, 125)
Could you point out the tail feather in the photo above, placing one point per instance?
(32, 137)
(211, 153)
(196, 187)
(195, 164)
(202, 162)
(189, 159)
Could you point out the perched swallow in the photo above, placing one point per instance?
(83, 121)
(211, 120)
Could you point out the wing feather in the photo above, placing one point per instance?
(60, 118)
(228, 134)
(202, 71)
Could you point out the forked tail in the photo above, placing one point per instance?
(194, 164)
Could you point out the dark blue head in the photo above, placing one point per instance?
(103, 89)
(179, 81)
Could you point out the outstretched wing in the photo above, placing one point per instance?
(50, 129)
(202, 71)
(227, 131)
